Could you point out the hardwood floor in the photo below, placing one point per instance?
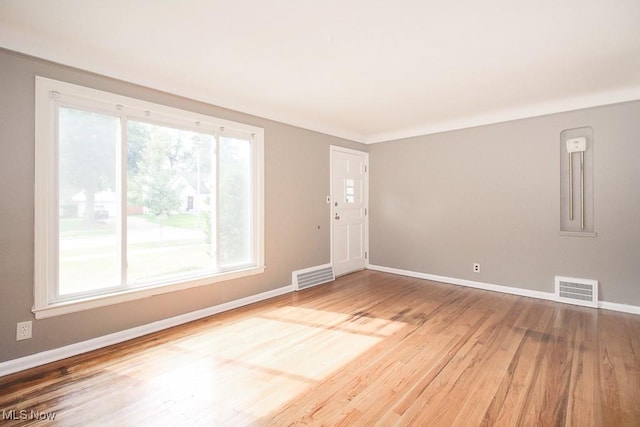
(368, 349)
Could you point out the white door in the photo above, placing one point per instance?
(348, 209)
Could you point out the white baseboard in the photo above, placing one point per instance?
(499, 288)
(614, 306)
(22, 363)
(467, 283)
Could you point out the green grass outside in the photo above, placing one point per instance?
(99, 271)
(80, 227)
(94, 267)
(101, 250)
(179, 220)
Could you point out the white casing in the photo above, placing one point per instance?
(576, 145)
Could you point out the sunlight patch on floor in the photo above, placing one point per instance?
(256, 365)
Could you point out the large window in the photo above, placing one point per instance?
(134, 198)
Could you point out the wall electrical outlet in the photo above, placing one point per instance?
(476, 268)
(24, 330)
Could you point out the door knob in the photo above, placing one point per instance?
(337, 216)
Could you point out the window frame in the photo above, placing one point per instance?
(49, 96)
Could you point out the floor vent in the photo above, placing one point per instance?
(308, 277)
(577, 291)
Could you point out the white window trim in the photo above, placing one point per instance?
(48, 92)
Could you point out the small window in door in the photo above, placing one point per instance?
(350, 190)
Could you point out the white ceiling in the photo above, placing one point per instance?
(365, 70)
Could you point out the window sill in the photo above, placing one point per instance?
(66, 307)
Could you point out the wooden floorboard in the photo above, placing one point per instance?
(370, 348)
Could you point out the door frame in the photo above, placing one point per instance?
(332, 149)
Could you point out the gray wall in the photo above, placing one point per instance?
(490, 194)
(296, 185)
